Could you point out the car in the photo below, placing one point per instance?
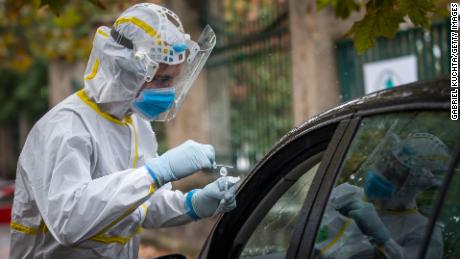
(6, 201)
(286, 202)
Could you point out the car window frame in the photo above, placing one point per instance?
(279, 189)
(308, 236)
(319, 181)
(309, 137)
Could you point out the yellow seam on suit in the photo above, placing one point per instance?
(398, 213)
(43, 227)
(152, 188)
(84, 97)
(129, 211)
(102, 33)
(136, 143)
(336, 238)
(139, 23)
(100, 236)
(93, 70)
(145, 208)
(115, 239)
(23, 229)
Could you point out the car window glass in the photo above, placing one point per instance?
(272, 235)
(447, 228)
(387, 185)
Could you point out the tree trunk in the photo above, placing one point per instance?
(64, 79)
(314, 68)
(8, 152)
(24, 128)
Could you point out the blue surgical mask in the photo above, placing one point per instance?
(153, 102)
(378, 187)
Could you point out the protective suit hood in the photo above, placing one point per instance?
(113, 77)
(126, 56)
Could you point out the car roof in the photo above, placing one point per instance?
(431, 91)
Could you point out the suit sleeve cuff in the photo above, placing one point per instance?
(154, 177)
(188, 205)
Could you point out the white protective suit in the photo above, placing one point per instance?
(78, 192)
(81, 189)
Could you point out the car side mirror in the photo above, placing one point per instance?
(171, 256)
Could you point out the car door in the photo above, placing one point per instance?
(270, 201)
(282, 202)
(381, 195)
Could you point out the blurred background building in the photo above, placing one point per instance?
(276, 63)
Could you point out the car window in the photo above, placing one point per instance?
(272, 235)
(448, 223)
(387, 187)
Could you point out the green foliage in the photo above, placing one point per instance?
(30, 30)
(417, 10)
(241, 15)
(24, 93)
(376, 23)
(54, 5)
(31, 36)
(342, 8)
(252, 44)
(58, 5)
(260, 103)
(382, 17)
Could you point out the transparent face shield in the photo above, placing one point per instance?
(420, 160)
(179, 69)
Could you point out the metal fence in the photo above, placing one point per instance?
(251, 67)
(431, 49)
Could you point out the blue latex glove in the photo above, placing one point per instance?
(212, 199)
(365, 216)
(180, 162)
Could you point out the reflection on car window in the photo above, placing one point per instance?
(387, 187)
(272, 235)
(449, 221)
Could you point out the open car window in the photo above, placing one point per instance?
(271, 237)
(387, 187)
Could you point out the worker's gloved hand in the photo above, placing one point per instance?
(213, 199)
(365, 216)
(181, 161)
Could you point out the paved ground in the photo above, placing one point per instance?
(4, 241)
(146, 251)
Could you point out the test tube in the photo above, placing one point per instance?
(223, 172)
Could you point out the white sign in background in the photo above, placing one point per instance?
(389, 73)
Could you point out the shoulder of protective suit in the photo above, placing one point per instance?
(65, 119)
(57, 132)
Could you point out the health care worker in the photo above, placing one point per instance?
(381, 220)
(89, 177)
